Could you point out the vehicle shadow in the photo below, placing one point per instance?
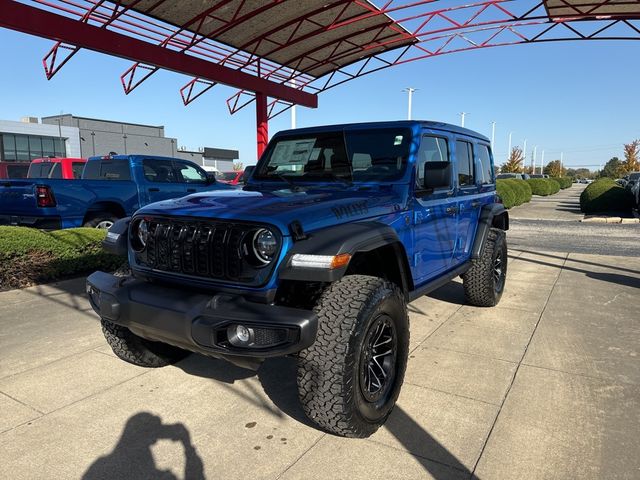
(452, 292)
(277, 377)
(132, 456)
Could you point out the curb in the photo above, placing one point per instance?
(605, 219)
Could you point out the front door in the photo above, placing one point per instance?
(434, 216)
(161, 182)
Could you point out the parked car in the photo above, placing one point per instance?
(13, 169)
(506, 176)
(68, 168)
(632, 178)
(536, 175)
(111, 187)
(230, 178)
(317, 256)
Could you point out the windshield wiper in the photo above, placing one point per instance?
(291, 183)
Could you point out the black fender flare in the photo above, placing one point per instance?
(492, 215)
(117, 239)
(348, 238)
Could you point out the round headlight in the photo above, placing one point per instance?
(140, 235)
(265, 245)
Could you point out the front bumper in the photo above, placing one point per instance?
(199, 322)
(44, 223)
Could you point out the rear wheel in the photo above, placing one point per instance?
(350, 378)
(101, 220)
(484, 281)
(137, 350)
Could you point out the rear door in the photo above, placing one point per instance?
(434, 215)
(467, 190)
(161, 180)
(192, 176)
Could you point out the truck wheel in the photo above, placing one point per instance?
(102, 220)
(484, 281)
(350, 378)
(139, 351)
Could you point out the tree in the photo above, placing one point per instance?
(514, 162)
(237, 166)
(632, 157)
(583, 173)
(613, 169)
(554, 169)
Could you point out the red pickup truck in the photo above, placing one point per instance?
(63, 168)
(13, 169)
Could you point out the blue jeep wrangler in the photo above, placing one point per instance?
(337, 229)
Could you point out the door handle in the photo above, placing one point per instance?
(452, 210)
(153, 189)
(475, 204)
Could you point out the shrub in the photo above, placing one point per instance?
(554, 184)
(527, 189)
(506, 193)
(605, 195)
(539, 186)
(565, 182)
(29, 256)
(519, 191)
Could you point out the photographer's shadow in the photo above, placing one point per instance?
(132, 456)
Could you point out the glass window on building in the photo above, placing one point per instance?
(48, 150)
(24, 148)
(9, 147)
(35, 147)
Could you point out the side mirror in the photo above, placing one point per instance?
(211, 177)
(437, 175)
(247, 173)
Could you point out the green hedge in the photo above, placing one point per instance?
(565, 182)
(605, 195)
(555, 185)
(518, 190)
(540, 186)
(506, 193)
(29, 256)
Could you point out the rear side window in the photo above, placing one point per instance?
(486, 172)
(107, 170)
(77, 168)
(158, 171)
(464, 158)
(432, 149)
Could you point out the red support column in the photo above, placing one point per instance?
(262, 122)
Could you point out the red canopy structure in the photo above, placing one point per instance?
(284, 52)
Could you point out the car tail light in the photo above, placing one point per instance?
(45, 197)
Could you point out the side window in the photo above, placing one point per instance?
(486, 174)
(160, 171)
(191, 173)
(77, 168)
(115, 170)
(432, 149)
(464, 156)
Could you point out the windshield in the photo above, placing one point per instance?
(352, 156)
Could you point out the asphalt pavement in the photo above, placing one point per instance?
(544, 386)
(553, 224)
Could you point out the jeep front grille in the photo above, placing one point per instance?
(206, 249)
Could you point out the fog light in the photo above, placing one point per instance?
(242, 333)
(240, 336)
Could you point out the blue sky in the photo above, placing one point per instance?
(578, 97)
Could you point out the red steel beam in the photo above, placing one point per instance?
(34, 21)
(262, 123)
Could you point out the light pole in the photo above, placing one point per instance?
(493, 135)
(509, 149)
(410, 91)
(561, 163)
(462, 115)
(535, 155)
(542, 163)
(524, 152)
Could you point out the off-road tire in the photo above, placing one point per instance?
(99, 218)
(139, 351)
(481, 287)
(329, 372)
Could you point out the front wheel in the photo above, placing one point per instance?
(101, 220)
(350, 378)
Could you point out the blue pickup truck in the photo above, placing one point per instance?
(336, 230)
(111, 187)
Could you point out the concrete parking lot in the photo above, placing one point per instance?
(546, 385)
